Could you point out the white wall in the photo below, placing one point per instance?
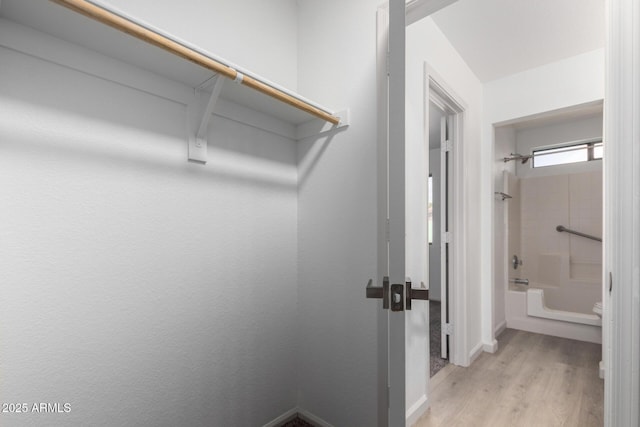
(338, 216)
(257, 35)
(138, 287)
(426, 43)
(563, 84)
(577, 129)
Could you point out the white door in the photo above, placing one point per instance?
(403, 247)
(444, 237)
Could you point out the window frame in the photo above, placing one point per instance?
(590, 143)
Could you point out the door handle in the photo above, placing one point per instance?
(421, 293)
(384, 292)
(379, 292)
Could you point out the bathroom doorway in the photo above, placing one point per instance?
(548, 223)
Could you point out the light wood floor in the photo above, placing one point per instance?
(532, 380)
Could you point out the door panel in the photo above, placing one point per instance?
(403, 175)
(396, 208)
(444, 252)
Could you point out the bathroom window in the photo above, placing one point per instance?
(574, 153)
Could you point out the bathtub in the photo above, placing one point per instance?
(563, 311)
(537, 307)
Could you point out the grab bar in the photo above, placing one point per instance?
(519, 281)
(562, 228)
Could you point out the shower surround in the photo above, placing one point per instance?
(566, 267)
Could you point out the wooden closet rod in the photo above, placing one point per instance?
(116, 21)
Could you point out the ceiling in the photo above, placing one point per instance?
(497, 38)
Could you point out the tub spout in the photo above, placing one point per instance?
(518, 281)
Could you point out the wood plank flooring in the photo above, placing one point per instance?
(532, 380)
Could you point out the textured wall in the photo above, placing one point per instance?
(337, 216)
(259, 36)
(138, 287)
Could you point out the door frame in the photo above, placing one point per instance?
(622, 213)
(436, 87)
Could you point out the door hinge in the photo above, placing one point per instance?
(446, 237)
(447, 328)
(388, 397)
(388, 62)
(447, 146)
(387, 231)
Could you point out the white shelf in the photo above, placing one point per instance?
(57, 21)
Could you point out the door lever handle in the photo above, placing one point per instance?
(379, 292)
(421, 293)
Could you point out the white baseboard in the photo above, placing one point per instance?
(491, 347)
(500, 328)
(417, 409)
(287, 416)
(475, 353)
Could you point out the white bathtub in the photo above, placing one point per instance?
(537, 307)
(562, 311)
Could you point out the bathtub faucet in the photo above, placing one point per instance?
(520, 281)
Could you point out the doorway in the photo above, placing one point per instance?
(437, 223)
(437, 181)
(443, 114)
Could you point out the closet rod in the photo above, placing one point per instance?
(153, 37)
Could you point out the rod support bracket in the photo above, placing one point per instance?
(198, 118)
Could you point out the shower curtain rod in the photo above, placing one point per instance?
(147, 33)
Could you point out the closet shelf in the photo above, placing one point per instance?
(46, 30)
(214, 86)
(158, 38)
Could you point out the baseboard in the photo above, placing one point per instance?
(475, 353)
(417, 409)
(312, 419)
(491, 347)
(287, 416)
(500, 328)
